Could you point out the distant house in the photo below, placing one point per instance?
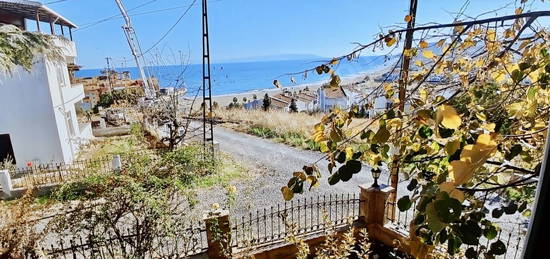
(38, 121)
(332, 97)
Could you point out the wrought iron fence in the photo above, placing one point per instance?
(58, 172)
(300, 217)
(510, 233)
(187, 242)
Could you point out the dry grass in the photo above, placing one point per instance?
(294, 129)
(278, 121)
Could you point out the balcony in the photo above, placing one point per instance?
(67, 47)
(73, 94)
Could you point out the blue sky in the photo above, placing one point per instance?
(244, 29)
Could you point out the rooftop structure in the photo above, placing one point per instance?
(38, 121)
(16, 12)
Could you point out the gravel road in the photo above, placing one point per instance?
(272, 165)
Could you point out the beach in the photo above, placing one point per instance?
(359, 80)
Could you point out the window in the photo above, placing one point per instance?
(6, 149)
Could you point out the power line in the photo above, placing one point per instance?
(112, 17)
(171, 28)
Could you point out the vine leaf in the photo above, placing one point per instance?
(448, 117)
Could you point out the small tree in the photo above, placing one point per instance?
(255, 97)
(293, 107)
(267, 102)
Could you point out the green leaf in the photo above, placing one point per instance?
(445, 133)
(448, 210)
(412, 184)
(434, 223)
(514, 151)
(453, 244)
(511, 208)
(471, 253)
(517, 75)
(334, 179)
(354, 166)
(345, 173)
(497, 213)
(490, 232)
(470, 232)
(404, 203)
(341, 157)
(382, 135)
(425, 132)
(497, 248)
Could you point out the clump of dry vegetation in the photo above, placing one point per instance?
(295, 129)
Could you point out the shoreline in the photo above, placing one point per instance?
(225, 99)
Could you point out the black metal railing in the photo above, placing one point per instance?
(189, 241)
(298, 217)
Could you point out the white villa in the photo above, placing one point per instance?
(38, 121)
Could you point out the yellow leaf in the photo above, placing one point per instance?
(319, 127)
(423, 44)
(323, 146)
(314, 181)
(453, 192)
(423, 94)
(515, 109)
(479, 63)
(390, 42)
(288, 194)
(410, 52)
(334, 61)
(440, 43)
(448, 117)
(408, 18)
(419, 63)
(428, 54)
(394, 123)
(460, 171)
(481, 116)
(349, 153)
(519, 10)
(489, 127)
(301, 175)
(491, 35)
(498, 76)
(452, 146)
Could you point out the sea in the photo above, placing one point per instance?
(239, 77)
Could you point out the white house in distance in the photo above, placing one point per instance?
(38, 121)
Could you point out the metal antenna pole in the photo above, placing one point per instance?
(131, 37)
(403, 81)
(207, 123)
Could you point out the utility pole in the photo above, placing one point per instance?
(109, 72)
(403, 81)
(207, 123)
(131, 37)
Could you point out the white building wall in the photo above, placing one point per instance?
(37, 109)
(26, 114)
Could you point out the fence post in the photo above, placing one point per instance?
(117, 163)
(218, 234)
(373, 208)
(5, 182)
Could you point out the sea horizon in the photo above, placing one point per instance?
(245, 76)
